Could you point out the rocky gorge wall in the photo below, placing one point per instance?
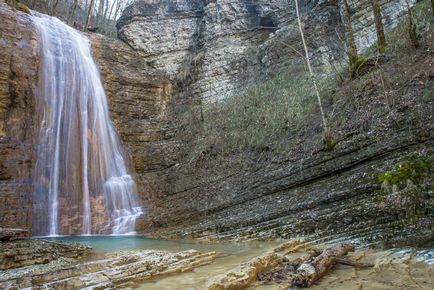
(218, 48)
(138, 97)
(18, 76)
(176, 53)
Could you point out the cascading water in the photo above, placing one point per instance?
(81, 182)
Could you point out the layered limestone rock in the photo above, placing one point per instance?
(140, 100)
(18, 75)
(217, 48)
(17, 254)
(117, 270)
(363, 22)
(312, 192)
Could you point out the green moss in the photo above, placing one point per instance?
(357, 63)
(416, 169)
(414, 36)
(412, 178)
(329, 143)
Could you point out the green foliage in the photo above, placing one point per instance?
(411, 178)
(417, 169)
(329, 143)
(358, 63)
(265, 117)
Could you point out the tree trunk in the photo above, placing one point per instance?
(53, 7)
(89, 14)
(309, 273)
(312, 75)
(412, 29)
(72, 11)
(351, 43)
(381, 38)
(110, 13)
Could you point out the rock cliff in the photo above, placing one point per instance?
(217, 48)
(178, 54)
(18, 75)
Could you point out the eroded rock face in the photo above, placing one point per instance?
(210, 45)
(217, 48)
(18, 254)
(18, 75)
(140, 100)
(117, 270)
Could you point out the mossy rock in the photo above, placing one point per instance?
(18, 6)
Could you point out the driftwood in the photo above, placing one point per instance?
(285, 273)
(311, 271)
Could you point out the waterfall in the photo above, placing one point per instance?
(81, 180)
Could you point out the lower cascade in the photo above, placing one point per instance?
(81, 181)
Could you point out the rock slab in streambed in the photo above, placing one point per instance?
(7, 234)
(115, 270)
(16, 254)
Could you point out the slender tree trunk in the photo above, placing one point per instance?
(100, 13)
(118, 6)
(351, 43)
(89, 14)
(54, 6)
(312, 75)
(412, 29)
(72, 11)
(110, 13)
(381, 37)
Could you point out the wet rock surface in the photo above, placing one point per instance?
(16, 254)
(62, 268)
(12, 234)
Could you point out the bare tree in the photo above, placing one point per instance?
(381, 37)
(327, 135)
(351, 43)
(89, 14)
(412, 29)
(71, 12)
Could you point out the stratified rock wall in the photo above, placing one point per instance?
(140, 98)
(217, 48)
(18, 75)
(393, 11)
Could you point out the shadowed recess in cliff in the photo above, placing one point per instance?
(81, 180)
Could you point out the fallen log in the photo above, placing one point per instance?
(284, 273)
(311, 271)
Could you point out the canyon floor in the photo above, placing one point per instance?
(114, 262)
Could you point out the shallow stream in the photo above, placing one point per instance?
(394, 269)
